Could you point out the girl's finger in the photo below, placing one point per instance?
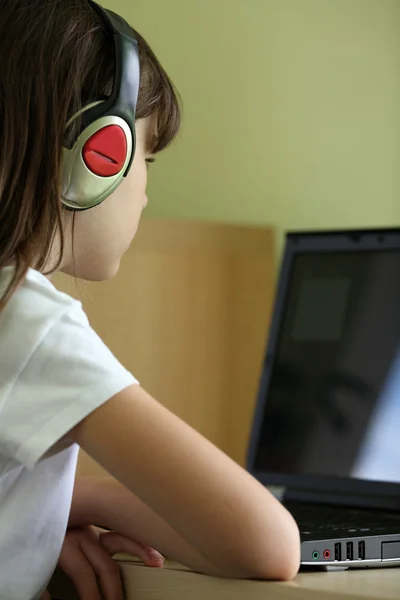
(75, 564)
(106, 569)
(46, 595)
(114, 543)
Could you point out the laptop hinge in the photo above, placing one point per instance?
(340, 499)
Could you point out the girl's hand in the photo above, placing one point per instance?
(87, 552)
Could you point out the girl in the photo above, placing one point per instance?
(76, 134)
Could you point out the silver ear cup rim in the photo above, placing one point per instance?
(81, 188)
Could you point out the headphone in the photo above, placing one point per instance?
(101, 153)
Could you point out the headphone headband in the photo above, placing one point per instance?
(123, 99)
(102, 151)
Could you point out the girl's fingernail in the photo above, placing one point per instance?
(156, 555)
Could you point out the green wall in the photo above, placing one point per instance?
(292, 110)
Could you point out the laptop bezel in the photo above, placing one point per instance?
(338, 490)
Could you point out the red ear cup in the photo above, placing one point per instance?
(105, 152)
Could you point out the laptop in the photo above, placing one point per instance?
(326, 431)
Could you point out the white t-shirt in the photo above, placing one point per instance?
(54, 371)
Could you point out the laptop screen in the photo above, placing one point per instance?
(332, 403)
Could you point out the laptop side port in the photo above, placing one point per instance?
(361, 550)
(338, 551)
(349, 551)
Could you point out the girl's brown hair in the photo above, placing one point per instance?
(56, 57)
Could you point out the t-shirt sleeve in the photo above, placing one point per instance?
(70, 373)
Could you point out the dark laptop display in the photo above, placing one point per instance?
(327, 423)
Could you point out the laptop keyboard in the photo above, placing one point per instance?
(318, 521)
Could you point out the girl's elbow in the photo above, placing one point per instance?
(261, 558)
(279, 561)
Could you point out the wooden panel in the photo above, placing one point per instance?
(188, 315)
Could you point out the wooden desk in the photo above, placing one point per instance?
(175, 582)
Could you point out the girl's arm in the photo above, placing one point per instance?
(215, 506)
(105, 502)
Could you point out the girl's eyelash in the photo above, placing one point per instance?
(150, 160)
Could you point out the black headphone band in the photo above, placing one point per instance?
(123, 99)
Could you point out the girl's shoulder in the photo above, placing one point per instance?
(33, 311)
(35, 296)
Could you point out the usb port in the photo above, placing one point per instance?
(361, 550)
(349, 550)
(338, 551)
